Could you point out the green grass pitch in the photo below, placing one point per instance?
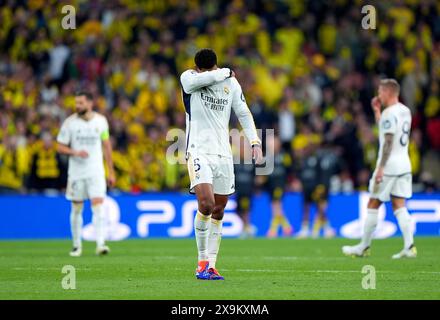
(254, 269)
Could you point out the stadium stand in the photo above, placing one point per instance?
(307, 68)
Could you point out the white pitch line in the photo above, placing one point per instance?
(429, 272)
(243, 270)
(45, 269)
(310, 271)
(284, 271)
(323, 271)
(300, 271)
(265, 258)
(280, 258)
(302, 258)
(258, 270)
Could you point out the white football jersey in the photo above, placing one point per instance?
(208, 98)
(80, 134)
(396, 119)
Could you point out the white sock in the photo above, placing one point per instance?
(215, 237)
(369, 227)
(99, 224)
(201, 228)
(404, 220)
(76, 222)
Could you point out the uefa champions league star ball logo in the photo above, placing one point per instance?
(116, 230)
(354, 229)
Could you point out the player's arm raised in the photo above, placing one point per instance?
(108, 150)
(376, 105)
(388, 126)
(246, 120)
(192, 80)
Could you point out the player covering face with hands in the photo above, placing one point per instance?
(392, 178)
(84, 137)
(209, 93)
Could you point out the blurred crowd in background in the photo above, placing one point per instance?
(308, 69)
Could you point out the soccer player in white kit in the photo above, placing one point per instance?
(209, 93)
(84, 137)
(392, 178)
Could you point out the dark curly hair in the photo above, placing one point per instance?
(205, 59)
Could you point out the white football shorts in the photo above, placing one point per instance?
(216, 170)
(398, 186)
(83, 189)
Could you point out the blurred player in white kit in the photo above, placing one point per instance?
(392, 178)
(85, 138)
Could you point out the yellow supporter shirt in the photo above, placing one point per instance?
(14, 165)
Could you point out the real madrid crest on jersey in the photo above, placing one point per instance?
(386, 124)
(226, 90)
